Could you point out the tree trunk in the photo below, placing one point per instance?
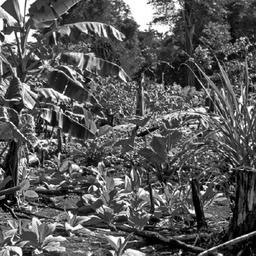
(200, 218)
(244, 215)
(12, 159)
(189, 34)
(140, 101)
(60, 140)
(11, 168)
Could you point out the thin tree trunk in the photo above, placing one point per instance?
(60, 140)
(140, 100)
(1, 66)
(244, 215)
(200, 218)
(12, 158)
(189, 34)
(11, 168)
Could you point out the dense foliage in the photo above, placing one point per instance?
(105, 128)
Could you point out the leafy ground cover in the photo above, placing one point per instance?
(118, 193)
(94, 163)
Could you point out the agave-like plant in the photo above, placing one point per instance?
(233, 126)
(234, 120)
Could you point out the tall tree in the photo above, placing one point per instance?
(242, 19)
(98, 10)
(189, 18)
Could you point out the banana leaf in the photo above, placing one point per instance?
(63, 83)
(13, 8)
(47, 10)
(4, 15)
(8, 130)
(66, 123)
(20, 94)
(74, 30)
(90, 63)
(50, 95)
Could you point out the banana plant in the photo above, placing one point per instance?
(23, 57)
(46, 14)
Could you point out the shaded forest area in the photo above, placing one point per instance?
(116, 141)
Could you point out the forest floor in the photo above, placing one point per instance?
(60, 191)
(91, 241)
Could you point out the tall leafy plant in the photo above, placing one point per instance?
(27, 57)
(233, 130)
(48, 15)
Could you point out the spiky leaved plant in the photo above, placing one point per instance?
(234, 126)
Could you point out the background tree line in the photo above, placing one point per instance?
(201, 30)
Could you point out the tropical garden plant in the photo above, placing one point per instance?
(62, 84)
(84, 146)
(231, 130)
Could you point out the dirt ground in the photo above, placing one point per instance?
(91, 242)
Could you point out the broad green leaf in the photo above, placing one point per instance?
(74, 30)
(9, 65)
(115, 241)
(15, 250)
(14, 224)
(49, 239)
(97, 204)
(63, 83)
(110, 184)
(173, 138)
(29, 98)
(25, 184)
(5, 181)
(1, 238)
(30, 194)
(53, 96)
(68, 227)
(150, 155)
(132, 252)
(104, 130)
(2, 37)
(46, 230)
(30, 236)
(126, 144)
(127, 184)
(47, 10)
(124, 128)
(90, 63)
(158, 144)
(209, 193)
(11, 250)
(8, 131)
(92, 221)
(65, 165)
(79, 220)
(143, 194)
(4, 15)
(89, 121)
(89, 199)
(122, 245)
(55, 247)
(136, 177)
(13, 8)
(21, 93)
(35, 227)
(138, 220)
(106, 213)
(67, 124)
